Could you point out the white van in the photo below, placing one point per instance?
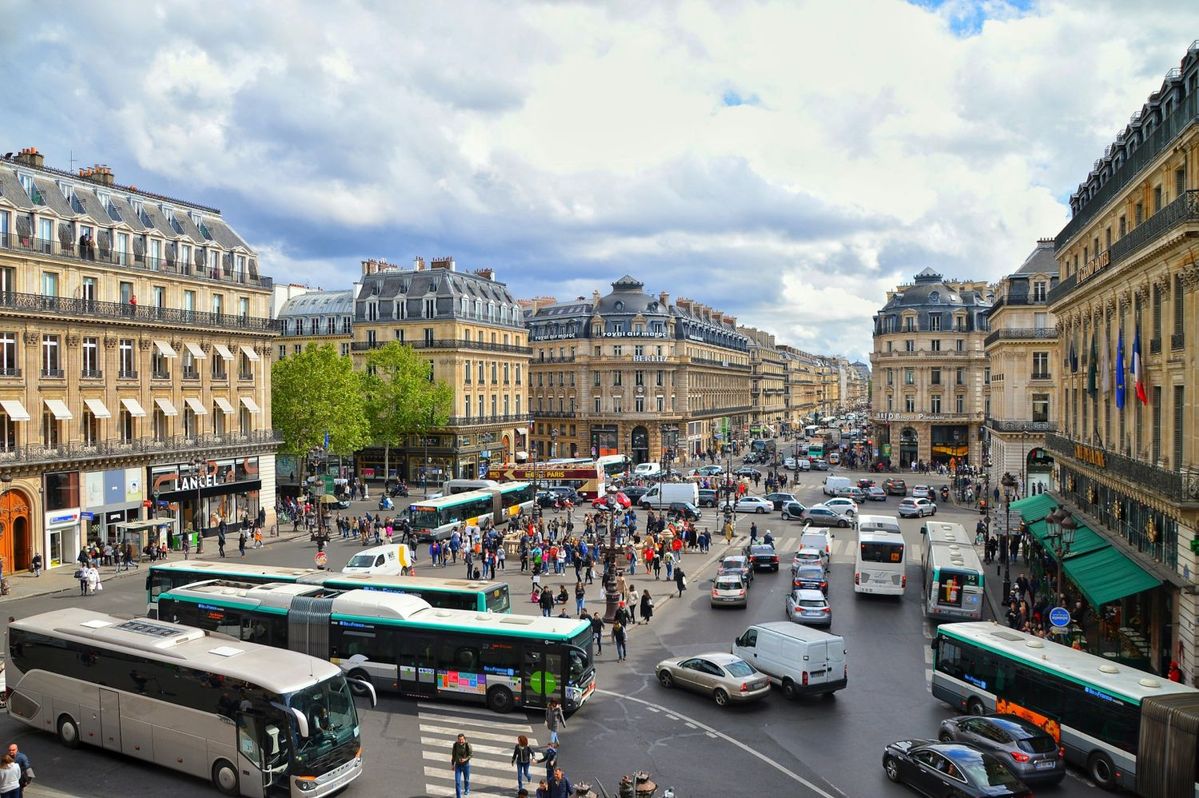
(834, 485)
(801, 660)
(390, 560)
(663, 493)
(647, 470)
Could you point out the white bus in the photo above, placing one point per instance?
(953, 574)
(1126, 727)
(614, 465)
(880, 562)
(435, 519)
(254, 720)
(452, 486)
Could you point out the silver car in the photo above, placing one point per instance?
(729, 590)
(809, 607)
(1027, 749)
(727, 678)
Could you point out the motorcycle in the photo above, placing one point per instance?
(398, 490)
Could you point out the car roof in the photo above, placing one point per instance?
(757, 546)
(1013, 724)
(809, 568)
(808, 594)
(718, 657)
(737, 557)
(808, 550)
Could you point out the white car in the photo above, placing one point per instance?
(803, 464)
(789, 463)
(916, 508)
(842, 505)
(922, 492)
(754, 504)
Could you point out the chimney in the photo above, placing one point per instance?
(486, 274)
(595, 297)
(102, 175)
(418, 264)
(30, 157)
(442, 263)
(663, 299)
(370, 266)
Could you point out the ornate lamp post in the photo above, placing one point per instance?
(1062, 528)
(612, 596)
(1009, 484)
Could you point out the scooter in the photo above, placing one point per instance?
(386, 503)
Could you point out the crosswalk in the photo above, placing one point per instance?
(491, 736)
(842, 544)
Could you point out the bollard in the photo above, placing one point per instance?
(643, 786)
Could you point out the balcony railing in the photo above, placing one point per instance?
(56, 374)
(1177, 341)
(555, 359)
(160, 374)
(127, 374)
(1178, 486)
(1040, 375)
(69, 250)
(123, 311)
(33, 454)
(191, 374)
(1021, 425)
(466, 421)
(1020, 334)
(707, 361)
(446, 343)
(91, 374)
(1155, 346)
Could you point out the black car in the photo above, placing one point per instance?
(707, 497)
(683, 510)
(635, 492)
(938, 769)
(737, 564)
(1026, 748)
(566, 492)
(779, 499)
(546, 498)
(762, 557)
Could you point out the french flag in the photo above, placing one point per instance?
(1138, 370)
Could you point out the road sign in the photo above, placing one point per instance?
(1059, 617)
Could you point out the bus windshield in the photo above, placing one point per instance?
(882, 552)
(498, 600)
(425, 517)
(332, 724)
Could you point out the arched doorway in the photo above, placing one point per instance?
(639, 445)
(1038, 469)
(909, 447)
(507, 444)
(16, 537)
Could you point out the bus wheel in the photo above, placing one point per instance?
(68, 732)
(1099, 768)
(975, 707)
(361, 675)
(499, 699)
(224, 777)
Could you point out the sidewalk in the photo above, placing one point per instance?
(25, 585)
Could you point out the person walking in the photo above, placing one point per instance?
(560, 786)
(550, 758)
(580, 596)
(24, 764)
(634, 600)
(546, 602)
(460, 755)
(620, 639)
(220, 538)
(241, 541)
(522, 757)
(647, 606)
(597, 632)
(37, 564)
(680, 579)
(10, 778)
(555, 719)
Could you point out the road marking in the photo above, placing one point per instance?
(672, 717)
(689, 725)
(459, 710)
(714, 733)
(452, 732)
(502, 764)
(439, 743)
(710, 734)
(484, 722)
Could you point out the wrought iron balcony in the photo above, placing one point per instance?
(467, 421)
(34, 454)
(73, 307)
(91, 374)
(53, 373)
(1177, 341)
(445, 343)
(1020, 334)
(1180, 485)
(1155, 346)
(127, 374)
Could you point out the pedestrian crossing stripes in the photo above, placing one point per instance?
(491, 736)
(841, 545)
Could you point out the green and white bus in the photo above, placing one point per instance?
(435, 519)
(400, 643)
(254, 720)
(1126, 727)
(454, 594)
(953, 574)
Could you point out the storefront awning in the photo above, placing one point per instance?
(1034, 508)
(1106, 575)
(223, 404)
(196, 406)
(97, 407)
(165, 349)
(59, 408)
(15, 410)
(249, 352)
(167, 407)
(223, 351)
(196, 351)
(250, 404)
(522, 455)
(1085, 540)
(134, 407)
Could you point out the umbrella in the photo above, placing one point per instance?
(328, 498)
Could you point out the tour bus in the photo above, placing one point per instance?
(583, 475)
(453, 594)
(953, 574)
(435, 519)
(879, 565)
(401, 643)
(613, 465)
(1126, 727)
(452, 486)
(252, 719)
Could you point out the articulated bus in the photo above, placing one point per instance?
(453, 594)
(953, 574)
(1127, 728)
(453, 486)
(400, 643)
(880, 559)
(584, 476)
(254, 720)
(435, 519)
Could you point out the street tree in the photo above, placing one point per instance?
(401, 397)
(317, 393)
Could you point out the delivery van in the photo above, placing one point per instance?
(390, 560)
(663, 494)
(834, 486)
(799, 659)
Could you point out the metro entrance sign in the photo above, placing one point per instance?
(1059, 617)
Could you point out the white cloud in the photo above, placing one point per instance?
(569, 143)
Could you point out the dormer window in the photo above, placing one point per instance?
(618, 306)
(1038, 291)
(934, 297)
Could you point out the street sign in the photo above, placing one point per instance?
(327, 479)
(1059, 617)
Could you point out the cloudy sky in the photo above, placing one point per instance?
(786, 162)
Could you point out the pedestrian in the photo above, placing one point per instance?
(597, 631)
(634, 600)
(619, 638)
(187, 545)
(81, 575)
(580, 596)
(554, 719)
(647, 607)
(460, 756)
(560, 786)
(543, 789)
(680, 580)
(37, 564)
(522, 757)
(220, 539)
(10, 778)
(546, 602)
(241, 541)
(550, 758)
(94, 585)
(24, 764)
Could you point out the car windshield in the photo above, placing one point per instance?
(811, 603)
(361, 561)
(733, 563)
(332, 723)
(984, 769)
(739, 668)
(728, 584)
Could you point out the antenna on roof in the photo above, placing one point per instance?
(72, 159)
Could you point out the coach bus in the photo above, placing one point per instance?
(401, 643)
(1126, 727)
(953, 574)
(254, 720)
(435, 519)
(454, 594)
(583, 475)
(880, 562)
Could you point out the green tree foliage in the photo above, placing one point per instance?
(400, 398)
(315, 392)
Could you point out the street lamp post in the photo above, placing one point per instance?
(197, 516)
(612, 596)
(1009, 483)
(1062, 528)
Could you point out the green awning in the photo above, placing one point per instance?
(1086, 540)
(1105, 575)
(1034, 508)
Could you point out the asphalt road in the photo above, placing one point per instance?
(808, 748)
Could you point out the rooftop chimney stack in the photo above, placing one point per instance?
(442, 263)
(418, 264)
(31, 157)
(486, 273)
(664, 299)
(370, 266)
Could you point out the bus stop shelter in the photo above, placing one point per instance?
(143, 533)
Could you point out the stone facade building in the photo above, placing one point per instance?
(135, 347)
(768, 384)
(314, 317)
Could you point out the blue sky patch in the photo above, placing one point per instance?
(733, 98)
(966, 17)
